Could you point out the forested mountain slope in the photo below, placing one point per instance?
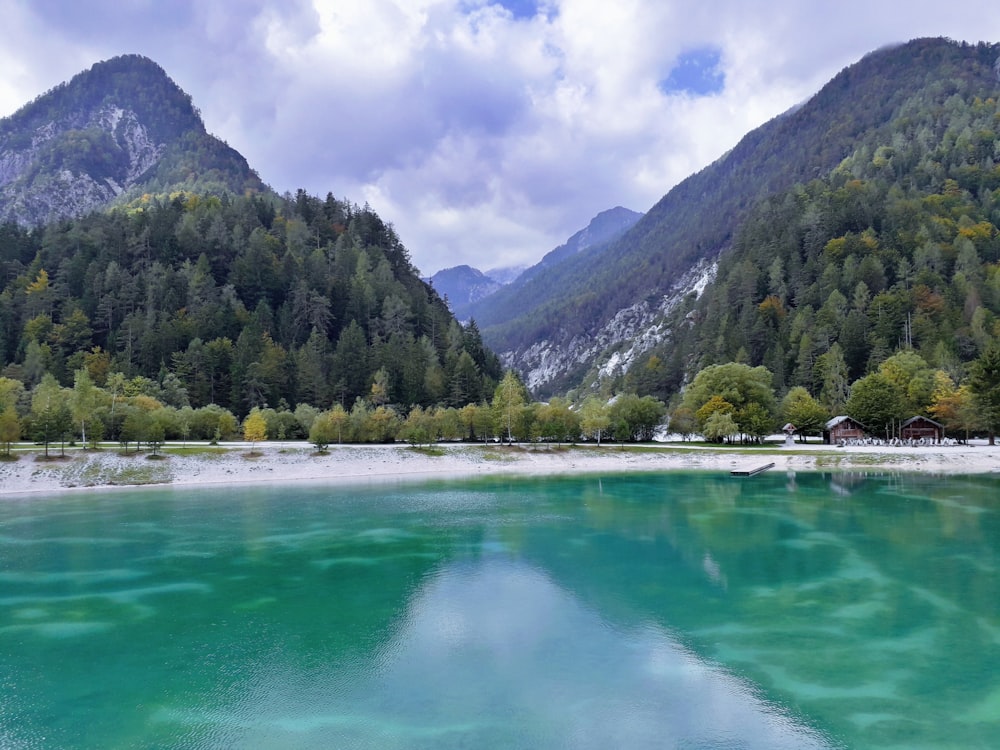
(241, 301)
(194, 287)
(570, 318)
(895, 249)
(115, 131)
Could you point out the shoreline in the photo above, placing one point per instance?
(232, 463)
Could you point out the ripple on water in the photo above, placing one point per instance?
(861, 610)
(865, 720)
(124, 596)
(985, 710)
(297, 538)
(334, 562)
(253, 604)
(29, 613)
(87, 541)
(384, 535)
(57, 630)
(78, 577)
(784, 681)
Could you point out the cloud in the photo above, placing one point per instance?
(487, 132)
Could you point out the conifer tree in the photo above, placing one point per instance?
(984, 380)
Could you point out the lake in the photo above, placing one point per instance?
(672, 610)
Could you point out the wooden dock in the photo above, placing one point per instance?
(751, 472)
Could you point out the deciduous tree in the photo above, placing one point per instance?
(508, 398)
(594, 418)
(10, 428)
(254, 428)
(877, 403)
(807, 414)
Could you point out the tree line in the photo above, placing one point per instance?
(238, 302)
(891, 259)
(133, 412)
(736, 402)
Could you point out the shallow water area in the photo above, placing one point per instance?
(672, 610)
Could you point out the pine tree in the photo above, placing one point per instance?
(984, 380)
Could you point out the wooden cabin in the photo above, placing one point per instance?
(916, 428)
(843, 428)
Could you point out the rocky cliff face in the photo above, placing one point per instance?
(31, 194)
(121, 126)
(553, 363)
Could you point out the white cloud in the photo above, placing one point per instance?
(487, 137)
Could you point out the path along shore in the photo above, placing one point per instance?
(235, 463)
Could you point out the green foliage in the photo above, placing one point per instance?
(50, 413)
(716, 404)
(877, 403)
(556, 421)
(418, 428)
(755, 422)
(984, 382)
(11, 393)
(509, 400)
(683, 422)
(477, 420)
(807, 414)
(908, 119)
(323, 431)
(720, 426)
(595, 418)
(739, 385)
(10, 428)
(863, 224)
(135, 427)
(913, 380)
(636, 417)
(237, 301)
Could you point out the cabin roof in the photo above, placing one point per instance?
(911, 420)
(842, 418)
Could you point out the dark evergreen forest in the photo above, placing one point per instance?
(895, 249)
(239, 301)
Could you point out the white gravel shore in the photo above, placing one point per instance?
(286, 462)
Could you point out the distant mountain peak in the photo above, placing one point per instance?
(603, 228)
(592, 304)
(123, 124)
(463, 284)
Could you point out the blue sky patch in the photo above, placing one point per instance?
(697, 72)
(520, 9)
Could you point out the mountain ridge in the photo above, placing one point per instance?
(567, 307)
(463, 284)
(116, 130)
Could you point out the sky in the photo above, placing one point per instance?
(486, 131)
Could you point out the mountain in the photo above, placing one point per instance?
(187, 279)
(606, 226)
(597, 313)
(118, 130)
(461, 285)
(887, 264)
(467, 289)
(506, 274)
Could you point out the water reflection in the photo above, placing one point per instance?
(680, 610)
(492, 653)
(511, 640)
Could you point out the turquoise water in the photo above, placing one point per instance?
(681, 610)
